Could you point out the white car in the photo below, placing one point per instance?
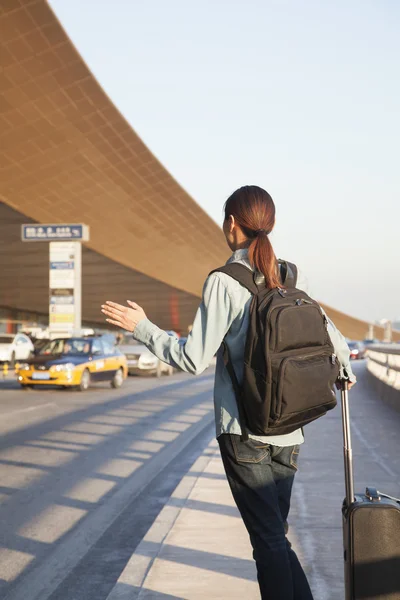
(15, 347)
(140, 360)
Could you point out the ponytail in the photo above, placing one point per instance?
(254, 211)
(262, 258)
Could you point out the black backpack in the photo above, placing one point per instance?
(290, 367)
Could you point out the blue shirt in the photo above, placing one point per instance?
(223, 315)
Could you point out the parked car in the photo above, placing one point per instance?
(140, 360)
(15, 347)
(357, 350)
(74, 362)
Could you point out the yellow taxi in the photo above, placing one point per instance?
(74, 362)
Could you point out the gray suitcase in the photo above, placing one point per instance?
(371, 533)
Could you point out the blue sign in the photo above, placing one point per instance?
(62, 300)
(54, 233)
(62, 265)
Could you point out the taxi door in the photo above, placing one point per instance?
(98, 362)
(112, 360)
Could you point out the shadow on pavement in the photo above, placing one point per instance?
(59, 471)
(209, 561)
(124, 591)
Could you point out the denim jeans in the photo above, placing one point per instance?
(261, 478)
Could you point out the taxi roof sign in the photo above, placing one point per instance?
(73, 232)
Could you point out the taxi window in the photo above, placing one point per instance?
(76, 346)
(97, 347)
(53, 347)
(69, 346)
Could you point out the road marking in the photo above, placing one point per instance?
(18, 412)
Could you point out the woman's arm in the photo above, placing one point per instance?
(212, 321)
(342, 350)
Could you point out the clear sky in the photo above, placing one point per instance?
(299, 97)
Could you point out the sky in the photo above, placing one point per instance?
(301, 98)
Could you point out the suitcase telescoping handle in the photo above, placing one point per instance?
(347, 449)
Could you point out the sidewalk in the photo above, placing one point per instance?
(198, 547)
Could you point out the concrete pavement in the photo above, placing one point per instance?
(198, 547)
(83, 476)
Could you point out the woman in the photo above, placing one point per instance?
(261, 470)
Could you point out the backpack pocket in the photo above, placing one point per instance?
(306, 383)
(299, 326)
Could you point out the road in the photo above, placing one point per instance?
(83, 475)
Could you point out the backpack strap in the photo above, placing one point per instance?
(289, 273)
(246, 277)
(240, 273)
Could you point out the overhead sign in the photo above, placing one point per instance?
(60, 232)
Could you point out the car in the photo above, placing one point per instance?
(75, 363)
(370, 341)
(357, 350)
(14, 348)
(140, 360)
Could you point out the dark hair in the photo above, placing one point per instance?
(254, 212)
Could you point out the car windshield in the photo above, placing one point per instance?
(353, 345)
(5, 339)
(70, 346)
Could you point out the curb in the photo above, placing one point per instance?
(130, 582)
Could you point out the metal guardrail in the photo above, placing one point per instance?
(384, 364)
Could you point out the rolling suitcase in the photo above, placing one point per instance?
(371, 533)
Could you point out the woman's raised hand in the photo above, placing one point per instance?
(126, 317)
